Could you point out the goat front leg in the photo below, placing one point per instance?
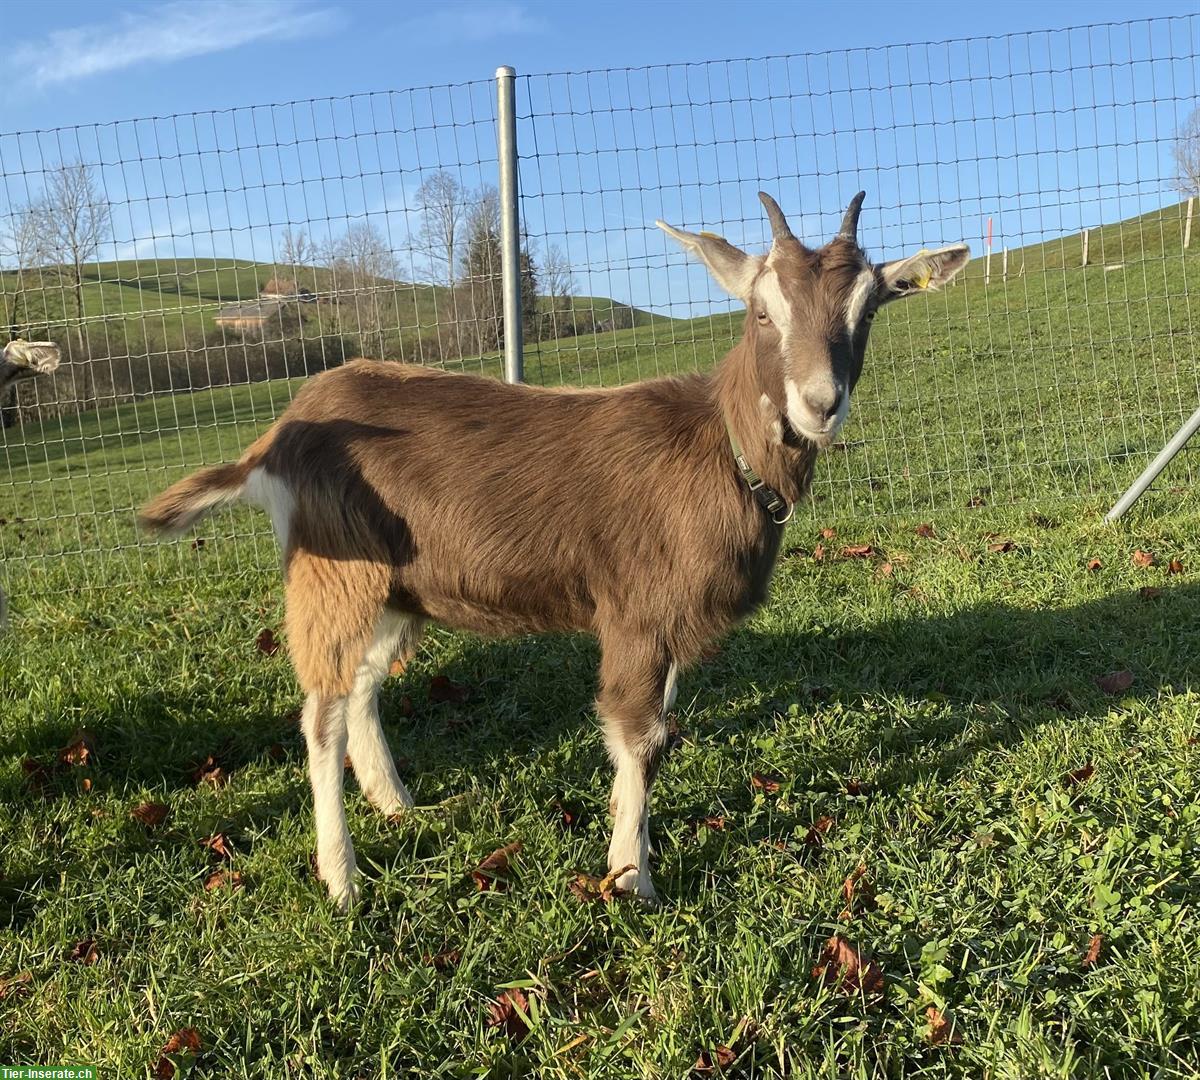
(634, 677)
(324, 724)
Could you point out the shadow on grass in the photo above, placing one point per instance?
(1003, 670)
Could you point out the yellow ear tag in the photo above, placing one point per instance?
(712, 236)
(922, 279)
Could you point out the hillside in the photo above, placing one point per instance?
(170, 303)
(1052, 386)
(1157, 234)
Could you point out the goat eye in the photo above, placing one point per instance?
(869, 316)
(763, 317)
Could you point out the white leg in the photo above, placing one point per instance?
(324, 724)
(630, 844)
(369, 753)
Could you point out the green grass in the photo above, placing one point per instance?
(953, 696)
(953, 693)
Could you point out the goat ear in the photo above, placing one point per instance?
(924, 270)
(730, 267)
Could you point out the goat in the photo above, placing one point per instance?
(649, 515)
(20, 359)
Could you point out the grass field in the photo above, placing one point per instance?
(996, 717)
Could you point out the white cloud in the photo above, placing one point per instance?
(161, 34)
(481, 21)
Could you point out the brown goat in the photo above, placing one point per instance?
(649, 515)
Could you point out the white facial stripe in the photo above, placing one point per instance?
(796, 413)
(769, 296)
(861, 293)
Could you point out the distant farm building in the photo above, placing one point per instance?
(279, 303)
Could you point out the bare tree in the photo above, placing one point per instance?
(1187, 155)
(362, 268)
(75, 218)
(558, 286)
(443, 203)
(23, 247)
(296, 248)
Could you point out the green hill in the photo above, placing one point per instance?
(1056, 385)
(143, 304)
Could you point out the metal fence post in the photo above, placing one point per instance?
(510, 230)
(1150, 473)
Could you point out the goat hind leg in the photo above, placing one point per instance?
(324, 724)
(395, 636)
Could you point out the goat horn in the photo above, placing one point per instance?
(779, 225)
(849, 227)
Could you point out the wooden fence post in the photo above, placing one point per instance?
(1083, 261)
(1187, 227)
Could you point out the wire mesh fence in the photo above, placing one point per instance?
(195, 268)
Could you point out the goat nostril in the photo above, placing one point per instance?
(823, 403)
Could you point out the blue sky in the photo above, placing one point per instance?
(1042, 132)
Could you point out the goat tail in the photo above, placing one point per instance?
(177, 509)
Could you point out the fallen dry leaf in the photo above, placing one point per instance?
(492, 873)
(842, 965)
(1115, 682)
(80, 750)
(1149, 592)
(1143, 558)
(999, 547)
(84, 951)
(855, 786)
(766, 782)
(569, 815)
(925, 531)
(266, 642)
(828, 534)
(185, 1041)
(198, 544)
(221, 878)
(857, 888)
(86, 783)
(586, 888)
(38, 774)
(1175, 567)
(397, 667)
(445, 960)
(857, 551)
(1092, 955)
(941, 1030)
(509, 1011)
(15, 984)
(819, 552)
(1094, 564)
(151, 814)
(1078, 776)
(976, 501)
(817, 830)
(442, 689)
(720, 1057)
(218, 844)
(885, 570)
(209, 772)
